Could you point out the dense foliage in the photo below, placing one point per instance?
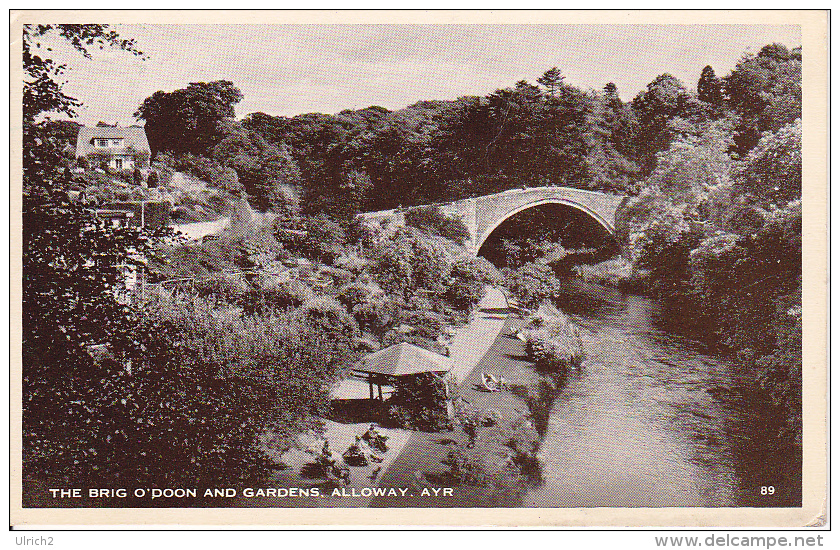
(189, 120)
(419, 403)
(553, 342)
(532, 283)
(715, 232)
(431, 219)
(499, 458)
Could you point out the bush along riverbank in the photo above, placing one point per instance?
(500, 457)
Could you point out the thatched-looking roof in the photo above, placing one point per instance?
(401, 360)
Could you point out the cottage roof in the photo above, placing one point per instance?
(403, 359)
(134, 140)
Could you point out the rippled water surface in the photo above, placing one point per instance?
(657, 420)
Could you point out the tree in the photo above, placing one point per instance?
(189, 120)
(662, 111)
(315, 237)
(419, 403)
(267, 171)
(434, 221)
(532, 283)
(42, 89)
(467, 279)
(609, 132)
(765, 90)
(710, 88)
(408, 262)
(552, 80)
(772, 171)
(73, 268)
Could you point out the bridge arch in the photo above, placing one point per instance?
(485, 234)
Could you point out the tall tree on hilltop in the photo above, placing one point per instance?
(710, 88)
(552, 79)
(189, 120)
(608, 127)
(621, 120)
(665, 110)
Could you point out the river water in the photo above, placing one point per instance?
(656, 419)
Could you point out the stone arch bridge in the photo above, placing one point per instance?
(482, 215)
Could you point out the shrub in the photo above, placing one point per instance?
(772, 171)
(352, 262)
(138, 194)
(780, 373)
(466, 281)
(153, 180)
(276, 297)
(315, 237)
(408, 262)
(502, 458)
(419, 402)
(432, 220)
(614, 272)
(553, 343)
(532, 283)
(328, 318)
(736, 279)
(376, 314)
(222, 288)
(155, 415)
(356, 293)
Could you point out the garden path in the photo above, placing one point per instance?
(472, 341)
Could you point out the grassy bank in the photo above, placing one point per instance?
(492, 455)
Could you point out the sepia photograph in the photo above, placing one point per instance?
(495, 263)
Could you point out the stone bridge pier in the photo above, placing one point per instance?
(482, 215)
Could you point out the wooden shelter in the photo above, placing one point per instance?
(403, 359)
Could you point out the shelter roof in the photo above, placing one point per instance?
(403, 359)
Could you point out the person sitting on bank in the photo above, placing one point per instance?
(326, 453)
(489, 382)
(354, 455)
(375, 439)
(370, 453)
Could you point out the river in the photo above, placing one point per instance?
(656, 419)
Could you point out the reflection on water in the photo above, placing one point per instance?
(655, 420)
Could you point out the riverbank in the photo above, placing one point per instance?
(527, 403)
(422, 458)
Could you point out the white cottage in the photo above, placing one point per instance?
(116, 147)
